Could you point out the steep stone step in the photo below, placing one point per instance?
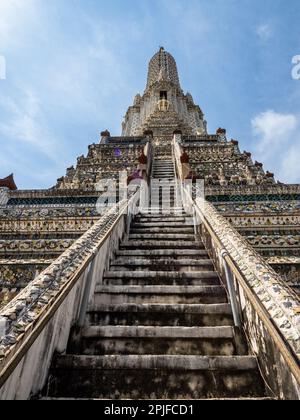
(155, 377)
(211, 341)
(169, 171)
(115, 295)
(162, 245)
(164, 170)
(161, 315)
(167, 225)
(162, 220)
(153, 254)
(163, 236)
(165, 164)
(158, 211)
(163, 174)
(164, 197)
(161, 264)
(192, 278)
(159, 230)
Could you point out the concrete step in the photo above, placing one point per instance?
(158, 185)
(163, 174)
(163, 200)
(211, 341)
(160, 230)
(115, 295)
(163, 236)
(162, 170)
(165, 261)
(167, 220)
(161, 217)
(161, 264)
(135, 278)
(153, 254)
(157, 211)
(158, 168)
(155, 377)
(168, 224)
(169, 164)
(155, 195)
(162, 245)
(205, 315)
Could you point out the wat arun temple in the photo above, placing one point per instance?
(193, 297)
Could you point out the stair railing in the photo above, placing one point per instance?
(268, 310)
(37, 323)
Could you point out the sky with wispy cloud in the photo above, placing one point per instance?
(74, 66)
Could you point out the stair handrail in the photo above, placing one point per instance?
(23, 319)
(276, 304)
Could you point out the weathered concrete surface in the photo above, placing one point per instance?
(209, 341)
(156, 377)
(158, 294)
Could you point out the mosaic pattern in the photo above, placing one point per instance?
(254, 208)
(18, 275)
(45, 226)
(264, 221)
(19, 247)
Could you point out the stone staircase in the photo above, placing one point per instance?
(160, 326)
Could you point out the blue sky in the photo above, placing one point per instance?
(74, 66)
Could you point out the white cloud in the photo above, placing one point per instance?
(12, 14)
(273, 128)
(24, 122)
(278, 143)
(264, 31)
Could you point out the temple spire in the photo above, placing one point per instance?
(163, 64)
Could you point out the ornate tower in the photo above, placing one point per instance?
(163, 108)
(142, 306)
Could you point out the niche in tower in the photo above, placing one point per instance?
(163, 95)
